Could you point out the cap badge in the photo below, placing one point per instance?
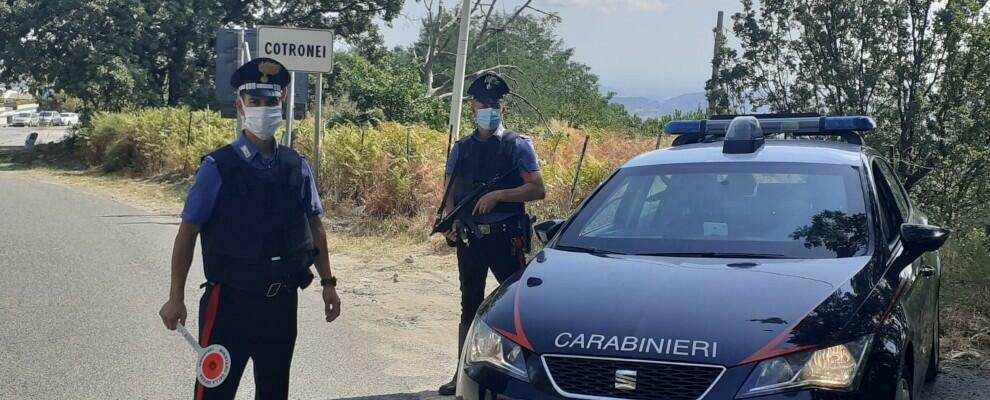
(268, 69)
(491, 81)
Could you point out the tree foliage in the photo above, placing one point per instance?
(919, 66)
(386, 87)
(526, 50)
(116, 54)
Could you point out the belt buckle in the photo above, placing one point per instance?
(273, 289)
(485, 229)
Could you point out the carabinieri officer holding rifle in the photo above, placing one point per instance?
(491, 229)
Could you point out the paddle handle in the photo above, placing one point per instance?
(189, 338)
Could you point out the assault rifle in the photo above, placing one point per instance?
(445, 223)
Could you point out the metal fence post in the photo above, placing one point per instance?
(408, 143)
(577, 175)
(189, 128)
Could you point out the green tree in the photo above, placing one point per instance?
(116, 54)
(389, 87)
(917, 65)
(525, 49)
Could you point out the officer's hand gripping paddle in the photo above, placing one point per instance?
(213, 364)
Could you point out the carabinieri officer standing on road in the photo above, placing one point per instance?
(502, 226)
(256, 206)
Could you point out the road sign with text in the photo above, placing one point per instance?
(299, 49)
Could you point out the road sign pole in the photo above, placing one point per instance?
(287, 137)
(458, 94)
(318, 129)
(240, 61)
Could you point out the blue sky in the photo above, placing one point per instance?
(649, 48)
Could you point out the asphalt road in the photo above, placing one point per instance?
(15, 135)
(83, 279)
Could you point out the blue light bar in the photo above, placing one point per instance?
(795, 125)
(686, 127)
(849, 124)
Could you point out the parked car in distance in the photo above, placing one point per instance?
(70, 119)
(24, 119)
(49, 118)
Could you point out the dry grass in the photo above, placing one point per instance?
(380, 189)
(965, 295)
(559, 157)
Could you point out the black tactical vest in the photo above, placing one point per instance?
(258, 231)
(478, 162)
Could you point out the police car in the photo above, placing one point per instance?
(761, 257)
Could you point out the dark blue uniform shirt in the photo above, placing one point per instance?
(524, 152)
(206, 187)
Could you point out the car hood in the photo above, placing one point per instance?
(702, 310)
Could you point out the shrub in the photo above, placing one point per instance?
(369, 166)
(152, 141)
(365, 169)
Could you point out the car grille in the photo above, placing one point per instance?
(589, 377)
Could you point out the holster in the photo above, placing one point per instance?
(526, 224)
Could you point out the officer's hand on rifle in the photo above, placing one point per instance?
(487, 203)
(453, 234)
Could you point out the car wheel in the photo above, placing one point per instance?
(903, 383)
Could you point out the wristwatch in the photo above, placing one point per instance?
(332, 281)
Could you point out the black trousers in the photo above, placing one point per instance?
(501, 252)
(250, 326)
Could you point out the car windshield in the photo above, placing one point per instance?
(24, 115)
(745, 209)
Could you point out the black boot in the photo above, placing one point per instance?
(450, 388)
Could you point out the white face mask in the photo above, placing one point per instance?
(262, 121)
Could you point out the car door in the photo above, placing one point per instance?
(917, 295)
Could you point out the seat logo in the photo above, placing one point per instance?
(625, 379)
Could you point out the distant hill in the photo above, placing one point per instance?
(645, 107)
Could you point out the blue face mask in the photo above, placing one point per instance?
(489, 118)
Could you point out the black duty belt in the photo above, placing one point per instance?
(512, 226)
(268, 289)
(252, 281)
(488, 229)
(268, 278)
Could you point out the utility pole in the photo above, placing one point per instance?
(716, 65)
(458, 94)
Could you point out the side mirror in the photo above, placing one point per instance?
(547, 229)
(919, 239)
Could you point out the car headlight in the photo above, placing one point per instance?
(485, 346)
(830, 368)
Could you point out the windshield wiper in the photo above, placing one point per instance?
(593, 251)
(713, 254)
